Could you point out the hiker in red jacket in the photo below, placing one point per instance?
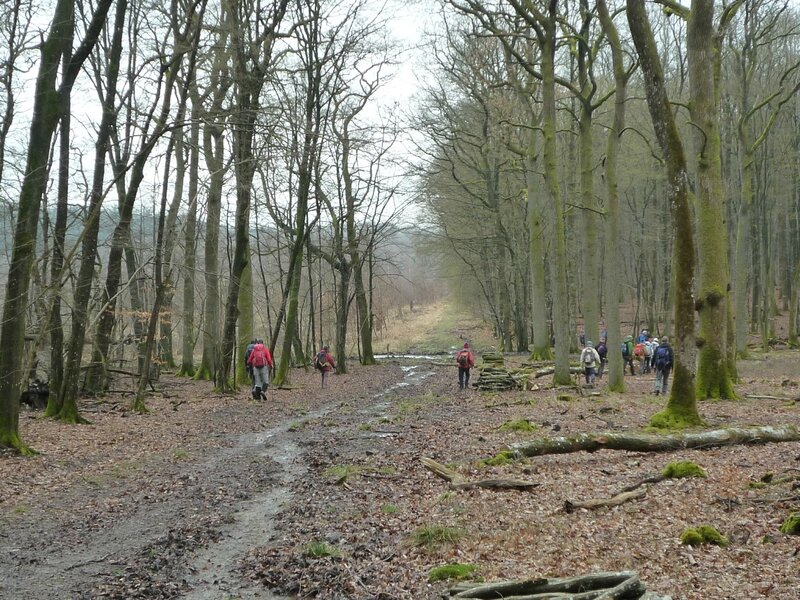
(324, 363)
(465, 361)
(260, 360)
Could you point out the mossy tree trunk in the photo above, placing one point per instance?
(703, 48)
(681, 408)
(588, 247)
(214, 153)
(547, 41)
(612, 267)
(64, 402)
(190, 244)
(46, 111)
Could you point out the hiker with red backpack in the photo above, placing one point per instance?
(465, 361)
(324, 363)
(260, 359)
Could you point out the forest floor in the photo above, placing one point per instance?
(219, 497)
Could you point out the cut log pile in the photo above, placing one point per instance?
(494, 375)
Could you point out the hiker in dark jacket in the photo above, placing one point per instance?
(247, 367)
(465, 361)
(602, 352)
(664, 361)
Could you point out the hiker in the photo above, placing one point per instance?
(642, 337)
(249, 369)
(602, 352)
(649, 349)
(664, 360)
(260, 360)
(324, 363)
(654, 346)
(627, 353)
(589, 361)
(465, 361)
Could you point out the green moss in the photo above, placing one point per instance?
(704, 534)
(505, 457)
(791, 525)
(343, 472)
(757, 485)
(456, 571)
(683, 468)
(519, 425)
(433, 536)
(672, 419)
(390, 509)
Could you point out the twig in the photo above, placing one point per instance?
(88, 562)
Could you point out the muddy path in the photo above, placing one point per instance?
(163, 528)
(218, 497)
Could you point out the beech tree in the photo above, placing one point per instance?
(47, 109)
(681, 408)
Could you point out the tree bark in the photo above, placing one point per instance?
(612, 268)
(681, 409)
(46, 111)
(633, 442)
(703, 48)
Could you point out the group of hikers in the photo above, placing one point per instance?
(648, 351)
(651, 354)
(259, 366)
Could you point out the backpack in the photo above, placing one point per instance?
(638, 350)
(259, 356)
(588, 357)
(662, 357)
(648, 349)
(601, 350)
(625, 349)
(463, 359)
(320, 360)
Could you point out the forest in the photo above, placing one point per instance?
(186, 177)
(179, 179)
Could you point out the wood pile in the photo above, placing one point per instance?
(494, 376)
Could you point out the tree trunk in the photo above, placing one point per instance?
(713, 379)
(46, 111)
(189, 245)
(635, 442)
(681, 409)
(65, 405)
(214, 149)
(559, 268)
(612, 266)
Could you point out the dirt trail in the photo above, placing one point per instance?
(174, 529)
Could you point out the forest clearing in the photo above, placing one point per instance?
(323, 493)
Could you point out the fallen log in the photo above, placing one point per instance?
(552, 369)
(457, 482)
(621, 498)
(595, 586)
(590, 442)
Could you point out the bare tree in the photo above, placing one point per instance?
(48, 99)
